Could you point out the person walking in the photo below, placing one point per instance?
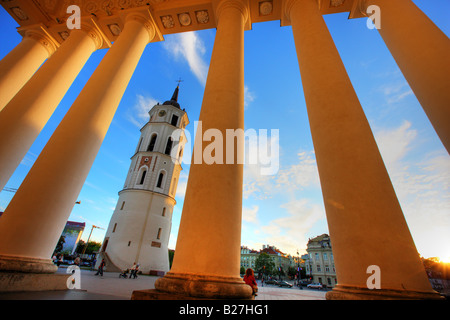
(133, 270)
(249, 279)
(100, 268)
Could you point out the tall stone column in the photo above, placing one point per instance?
(365, 220)
(26, 114)
(32, 223)
(21, 63)
(422, 52)
(207, 259)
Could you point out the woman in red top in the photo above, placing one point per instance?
(249, 279)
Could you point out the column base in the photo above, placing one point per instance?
(355, 293)
(20, 282)
(26, 264)
(191, 286)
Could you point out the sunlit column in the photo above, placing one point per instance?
(36, 216)
(26, 114)
(212, 210)
(21, 63)
(365, 220)
(422, 52)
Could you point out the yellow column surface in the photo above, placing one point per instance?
(422, 52)
(26, 114)
(36, 216)
(207, 259)
(365, 220)
(21, 63)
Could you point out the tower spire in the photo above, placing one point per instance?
(174, 100)
(175, 94)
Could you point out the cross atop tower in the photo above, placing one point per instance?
(179, 81)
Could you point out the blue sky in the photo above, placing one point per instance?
(287, 208)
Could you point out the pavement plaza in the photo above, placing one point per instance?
(111, 287)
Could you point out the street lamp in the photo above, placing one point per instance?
(87, 242)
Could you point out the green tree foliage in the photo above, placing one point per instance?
(264, 263)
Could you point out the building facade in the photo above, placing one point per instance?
(319, 262)
(280, 259)
(140, 226)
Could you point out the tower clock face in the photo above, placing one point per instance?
(162, 113)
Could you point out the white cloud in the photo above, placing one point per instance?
(289, 233)
(189, 46)
(396, 91)
(249, 97)
(299, 176)
(250, 214)
(395, 143)
(138, 114)
(422, 186)
(182, 185)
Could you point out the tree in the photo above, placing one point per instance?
(60, 244)
(264, 263)
(91, 247)
(242, 270)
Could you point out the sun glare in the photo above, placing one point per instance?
(445, 259)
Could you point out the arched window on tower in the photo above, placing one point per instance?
(144, 173)
(152, 143)
(160, 180)
(168, 146)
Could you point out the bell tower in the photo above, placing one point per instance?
(140, 226)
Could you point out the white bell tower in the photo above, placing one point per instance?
(140, 226)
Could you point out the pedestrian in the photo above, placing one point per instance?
(249, 279)
(77, 261)
(93, 263)
(60, 260)
(136, 269)
(133, 270)
(100, 268)
(262, 281)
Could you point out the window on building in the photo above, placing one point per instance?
(129, 243)
(318, 268)
(123, 204)
(115, 226)
(160, 180)
(144, 173)
(174, 120)
(164, 212)
(168, 146)
(151, 145)
(158, 236)
(327, 268)
(316, 256)
(325, 256)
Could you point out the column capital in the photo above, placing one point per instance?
(241, 5)
(287, 7)
(94, 33)
(147, 22)
(41, 36)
